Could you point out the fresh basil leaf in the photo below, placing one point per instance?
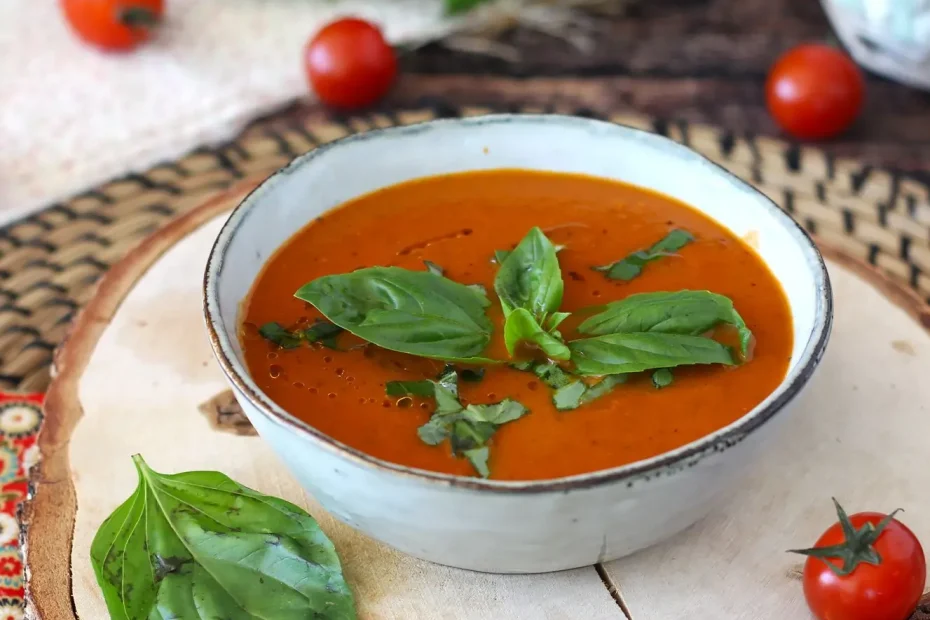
(635, 352)
(468, 434)
(576, 394)
(284, 338)
(500, 256)
(569, 396)
(323, 332)
(478, 288)
(520, 326)
(479, 460)
(467, 428)
(602, 388)
(681, 312)
(435, 431)
(410, 388)
(662, 378)
(198, 544)
(434, 268)
(413, 312)
(556, 319)
(530, 278)
(552, 375)
(505, 411)
(631, 266)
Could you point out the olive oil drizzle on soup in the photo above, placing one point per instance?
(456, 223)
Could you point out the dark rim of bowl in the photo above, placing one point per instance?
(666, 463)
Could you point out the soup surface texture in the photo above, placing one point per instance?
(457, 222)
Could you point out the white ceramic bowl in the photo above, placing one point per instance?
(490, 525)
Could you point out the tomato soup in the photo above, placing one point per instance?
(457, 223)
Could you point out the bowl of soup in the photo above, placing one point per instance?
(516, 343)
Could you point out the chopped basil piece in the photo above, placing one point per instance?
(434, 268)
(569, 396)
(321, 331)
(468, 429)
(631, 266)
(284, 338)
(662, 378)
(479, 460)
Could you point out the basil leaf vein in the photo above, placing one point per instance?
(635, 352)
(243, 553)
(415, 312)
(631, 266)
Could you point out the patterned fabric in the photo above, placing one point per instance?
(20, 418)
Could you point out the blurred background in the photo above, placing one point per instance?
(94, 89)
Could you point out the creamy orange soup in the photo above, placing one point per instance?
(458, 222)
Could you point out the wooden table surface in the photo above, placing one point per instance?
(699, 60)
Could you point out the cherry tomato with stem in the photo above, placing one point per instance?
(349, 64)
(868, 566)
(117, 25)
(814, 91)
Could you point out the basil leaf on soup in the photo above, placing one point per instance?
(197, 544)
(679, 312)
(284, 338)
(631, 266)
(636, 352)
(520, 326)
(569, 396)
(415, 312)
(578, 393)
(478, 457)
(662, 378)
(468, 428)
(530, 277)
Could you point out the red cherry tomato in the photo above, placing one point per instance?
(349, 64)
(814, 91)
(842, 580)
(113, 24)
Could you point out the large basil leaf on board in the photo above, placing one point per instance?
(680, 312)
(415, 312)
(199, 545)
(635, 352)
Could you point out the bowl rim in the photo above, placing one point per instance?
(667, 463)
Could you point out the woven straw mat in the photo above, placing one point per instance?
(50, 261)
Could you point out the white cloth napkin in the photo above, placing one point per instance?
(72, 116)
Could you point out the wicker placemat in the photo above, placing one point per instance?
(50, 261)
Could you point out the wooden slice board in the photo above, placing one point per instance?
(137, 375)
